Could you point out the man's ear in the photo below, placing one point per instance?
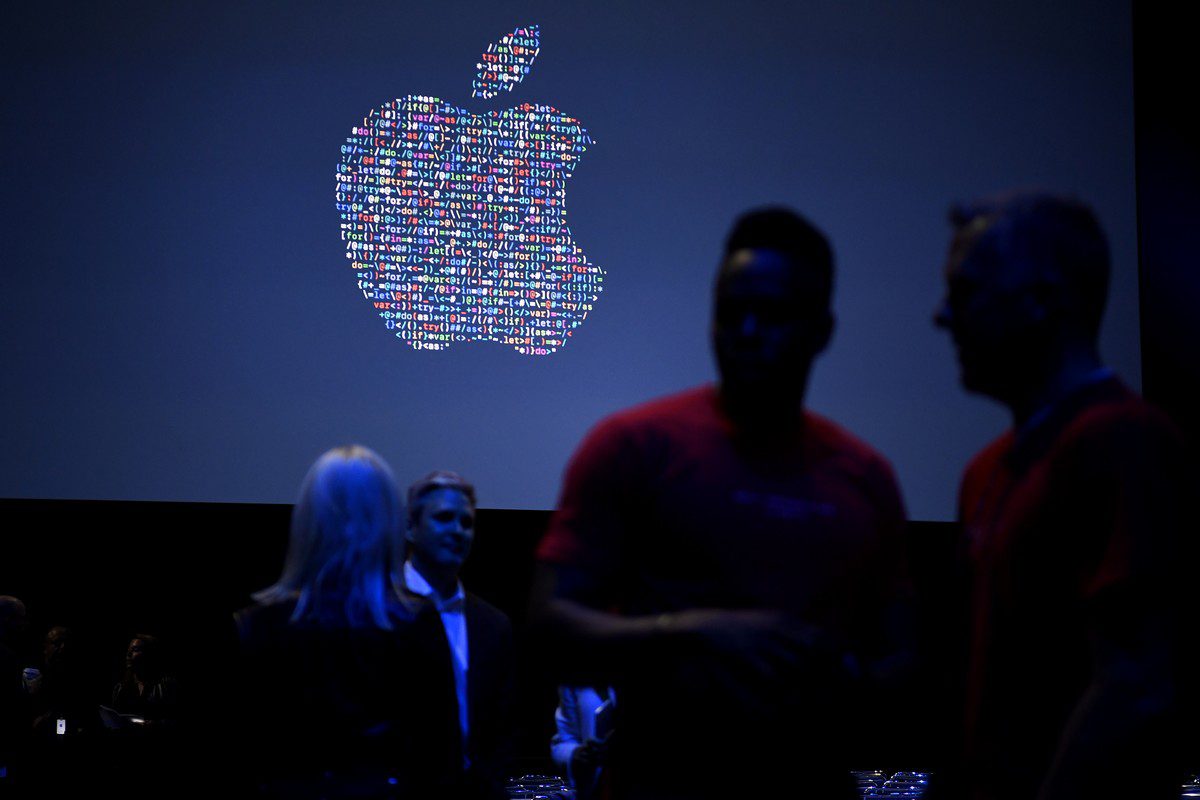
(1045, 300)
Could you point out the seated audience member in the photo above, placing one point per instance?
(61, 696)
(583, 723)
(146, 695)
(1075, 522)
(730, 562)
(64, 755)
(478, 636)
(143, 756)
(345, 692)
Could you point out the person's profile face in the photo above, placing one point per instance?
(57, 646)
(135, 654)
(992, 311)
(767, 324)
(442, 534)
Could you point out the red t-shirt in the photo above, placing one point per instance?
(1085, 508)
(667, 509)
(663, 505)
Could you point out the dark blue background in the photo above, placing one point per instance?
(178, 320)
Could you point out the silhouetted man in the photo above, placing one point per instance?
(729, 561)
(441, 529)
(14, 705)
(1071, 519)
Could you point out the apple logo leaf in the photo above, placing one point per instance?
(455, 223)
(506, 62)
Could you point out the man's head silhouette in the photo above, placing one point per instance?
(1026, 283)
(771, 313)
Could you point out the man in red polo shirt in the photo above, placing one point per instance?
(732, 563)
(1072, 519)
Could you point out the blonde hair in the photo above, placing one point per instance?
(345, 527)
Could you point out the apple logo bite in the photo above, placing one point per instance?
(455, 223)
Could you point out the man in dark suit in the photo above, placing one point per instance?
(441, 528)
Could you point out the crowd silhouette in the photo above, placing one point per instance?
(728, 591)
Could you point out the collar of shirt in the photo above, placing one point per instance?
(1098, 375)
(1033, 439)
(416, 583)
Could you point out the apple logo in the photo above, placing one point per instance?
(455, 223)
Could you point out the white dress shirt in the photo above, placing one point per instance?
(454, 621)
(575, 724)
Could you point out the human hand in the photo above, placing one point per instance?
(587, 758)
(760, 644)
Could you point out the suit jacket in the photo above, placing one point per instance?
(491, 685)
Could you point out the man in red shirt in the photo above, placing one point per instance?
(1072, 520)
(730, 562)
